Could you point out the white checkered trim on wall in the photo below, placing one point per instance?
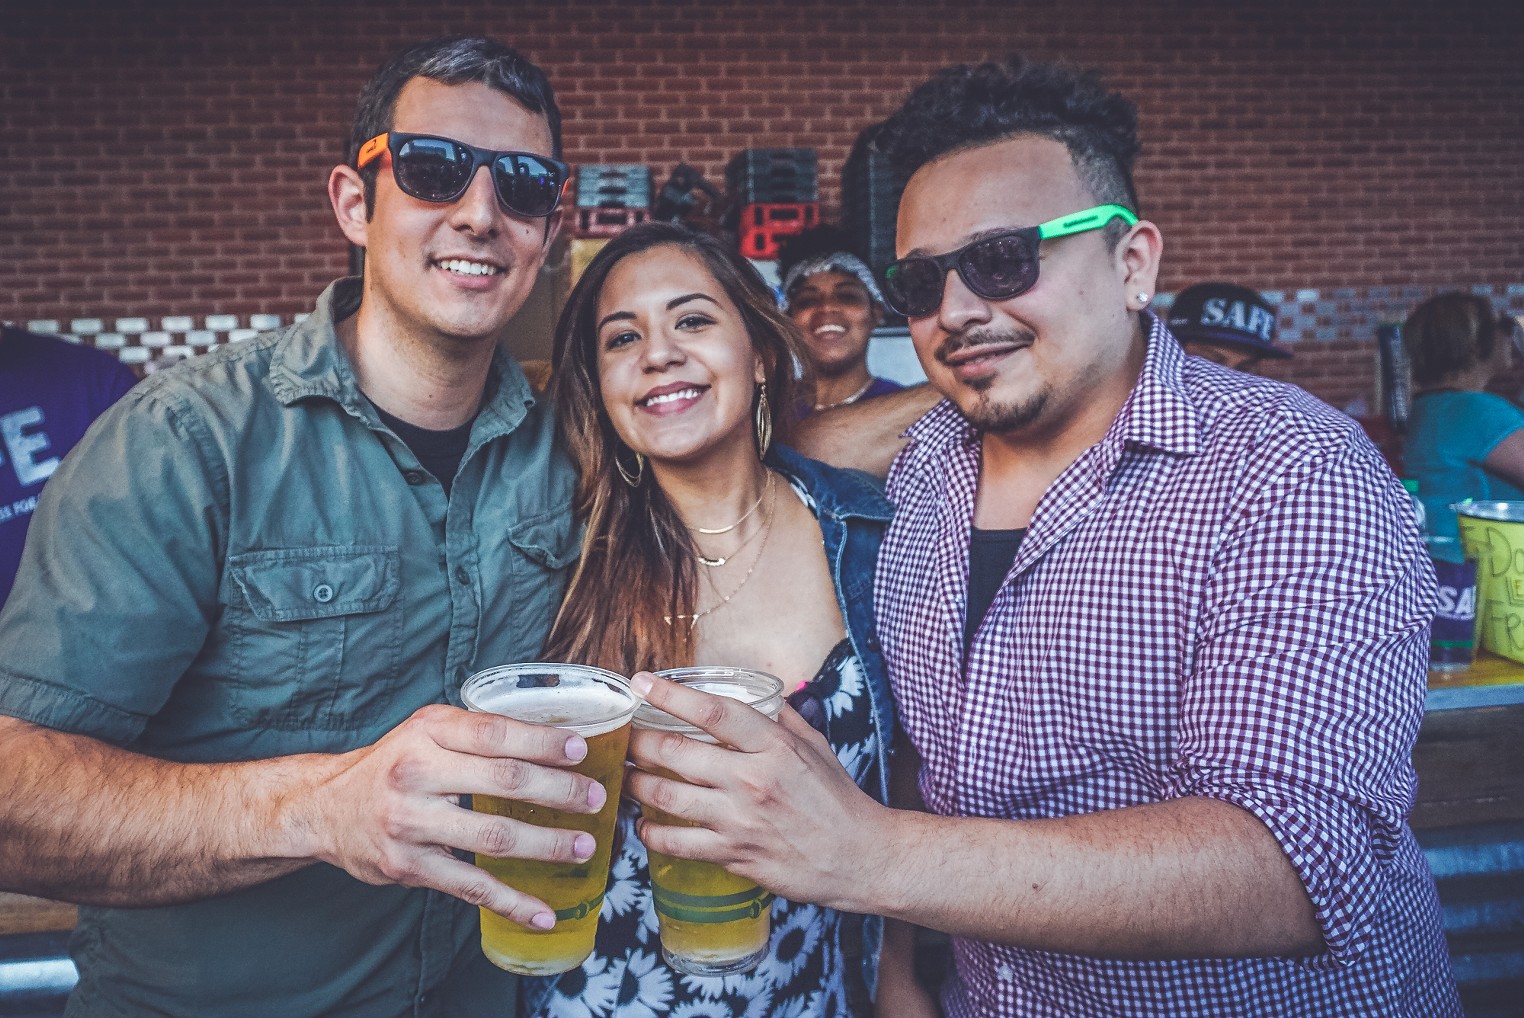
(1319, 316)
(1305, 316)
(176, 337)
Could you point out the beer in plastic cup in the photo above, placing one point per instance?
(712, 923)
(597, 705)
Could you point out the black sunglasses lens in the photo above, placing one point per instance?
(913, 286)
(432, 169)
(999, 267)
(527, 185)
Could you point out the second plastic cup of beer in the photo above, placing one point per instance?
(597, 705)
(712, 922)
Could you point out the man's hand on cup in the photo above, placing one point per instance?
(390, 813)
(772, 802)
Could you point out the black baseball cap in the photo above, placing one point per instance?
(1226, 313)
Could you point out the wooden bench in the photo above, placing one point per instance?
(21, 914)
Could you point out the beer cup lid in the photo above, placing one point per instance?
(756, 689)
(1497, 512)
(578, 698)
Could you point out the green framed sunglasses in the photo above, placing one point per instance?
(997, 267)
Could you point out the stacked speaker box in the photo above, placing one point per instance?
(777, 194)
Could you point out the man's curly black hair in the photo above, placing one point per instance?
(975, 104)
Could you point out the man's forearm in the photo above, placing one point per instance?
(1186, 878)
(86, 822)
(91, 823)
(1191, 877)
(865, 436)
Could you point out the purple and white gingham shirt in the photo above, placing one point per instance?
(1226, 597)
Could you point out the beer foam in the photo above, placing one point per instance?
(720, 687)
(586, 710)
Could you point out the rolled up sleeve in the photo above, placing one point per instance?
(1308, 684)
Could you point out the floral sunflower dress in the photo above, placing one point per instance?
(811, 969)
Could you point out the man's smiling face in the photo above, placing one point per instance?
(454, 271)
(1032, 363)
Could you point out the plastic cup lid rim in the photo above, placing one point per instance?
(1494, 511)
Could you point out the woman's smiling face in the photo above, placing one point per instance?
(677, 368)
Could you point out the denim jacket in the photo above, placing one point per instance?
(853, 515)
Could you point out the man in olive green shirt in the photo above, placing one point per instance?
(250, 596)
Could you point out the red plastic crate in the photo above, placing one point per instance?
(763, 227)
(608, 222)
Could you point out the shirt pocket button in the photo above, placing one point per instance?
(322, 593)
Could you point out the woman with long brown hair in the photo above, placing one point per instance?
(707, 542)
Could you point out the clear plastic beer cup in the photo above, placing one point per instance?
(712, 923)
(597, 705)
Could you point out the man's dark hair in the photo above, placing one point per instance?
(825, 239)
(976, 104)
(452, 60)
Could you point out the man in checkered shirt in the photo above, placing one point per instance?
(1157, 630)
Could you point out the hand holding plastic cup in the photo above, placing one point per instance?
(711, 921)
(597, 705)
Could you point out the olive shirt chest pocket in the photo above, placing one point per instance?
(540, 551)
(313, 635)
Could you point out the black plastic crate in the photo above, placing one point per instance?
(613, 185)
(773, 176)
(870, 199)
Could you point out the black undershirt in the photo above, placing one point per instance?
(440, 452)
(990, 554)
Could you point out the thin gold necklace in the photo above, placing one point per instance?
(719, 560)
(767, 529)
(744, 516)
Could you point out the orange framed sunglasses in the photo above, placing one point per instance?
(435, 169)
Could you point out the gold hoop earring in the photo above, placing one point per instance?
(632, 479)
(764, 421)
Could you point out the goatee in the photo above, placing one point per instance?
(999, 418)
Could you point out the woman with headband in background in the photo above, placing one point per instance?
(833, 298)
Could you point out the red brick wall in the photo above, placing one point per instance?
(169, 158)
